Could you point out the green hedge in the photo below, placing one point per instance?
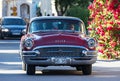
(82, 13)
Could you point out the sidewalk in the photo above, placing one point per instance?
(107, 63)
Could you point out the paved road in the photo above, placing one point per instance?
(10, 68)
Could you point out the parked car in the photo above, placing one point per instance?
(12, 26)
(50, 41)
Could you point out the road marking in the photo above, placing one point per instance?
(9, 51)
(11, 63)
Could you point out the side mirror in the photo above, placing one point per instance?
(24, 32)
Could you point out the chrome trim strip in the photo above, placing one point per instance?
(59, 51)
(31, 52)
(93, 52)
(29, 55)
(47, 46)
(91, 55)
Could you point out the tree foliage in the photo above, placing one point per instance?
(83, 3)
(63, 5)
(82, 13)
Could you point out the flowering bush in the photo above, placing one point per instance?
(105, 26)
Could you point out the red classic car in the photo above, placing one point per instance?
(57, 41)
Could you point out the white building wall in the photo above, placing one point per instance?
(34, 6)
(9, 11)
(18, 7)
(53, 7)
(4, 8)
(43, 7)
(19, 3)
(0, 8)
(47, 7)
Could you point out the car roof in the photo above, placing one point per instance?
(13, 17)
(55, 17)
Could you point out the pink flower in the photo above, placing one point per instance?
(109, 56)
(98, 30)
(118, 22)
(90, 7)
(109, 28)
(116, 13)
(110, 7)
(89, 22)
(113, 44)
(94, 1)
(111, 22)
(118, 28)
(93, 15)
(113, 5)
(101, 51)
(101, 17)
(116, 16)
(89, 29)
(101, 27)
(102, 33)
(102, 45)
(118, 8)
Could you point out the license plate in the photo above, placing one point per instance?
(60, 61)
(15, 33)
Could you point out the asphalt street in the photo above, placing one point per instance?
(10, 68)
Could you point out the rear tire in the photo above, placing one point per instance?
(78, 68)
(86, 69)
(30, 69)
(1, 36)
